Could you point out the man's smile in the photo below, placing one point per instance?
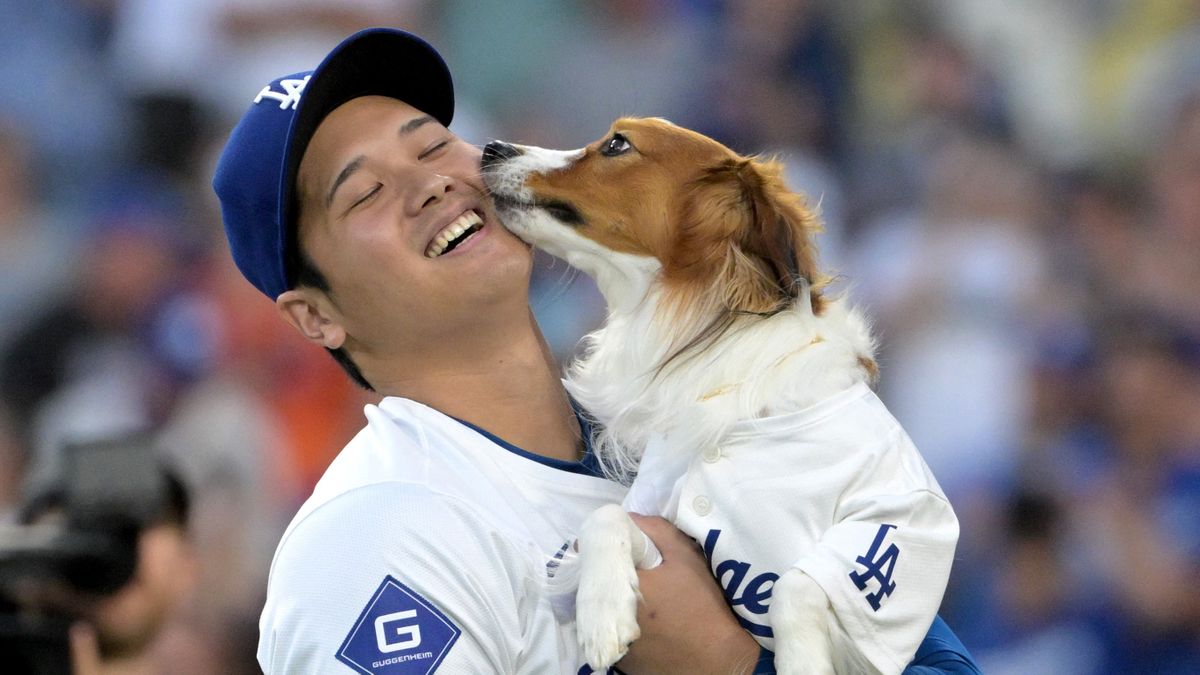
(461, 229)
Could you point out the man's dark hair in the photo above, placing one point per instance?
(308, 275)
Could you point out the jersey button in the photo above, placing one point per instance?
(711, 455)
(702, 505)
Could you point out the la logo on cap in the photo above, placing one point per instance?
(289, 97)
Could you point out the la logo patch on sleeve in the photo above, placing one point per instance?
(398, 633)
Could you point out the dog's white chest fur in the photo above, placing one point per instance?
(759, 368)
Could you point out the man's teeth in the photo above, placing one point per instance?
(443, 241)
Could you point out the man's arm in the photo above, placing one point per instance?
(941, 652)
(688, 628)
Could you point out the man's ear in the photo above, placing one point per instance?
(311, 313)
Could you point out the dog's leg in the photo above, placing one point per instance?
(610, 545)
(799, 616)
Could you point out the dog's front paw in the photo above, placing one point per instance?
(606, 613)
(799, 617)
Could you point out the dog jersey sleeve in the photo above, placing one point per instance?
(391, 579)
(886, 560)
(840, 493)
(885, 572)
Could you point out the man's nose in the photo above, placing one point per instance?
(431, 190)
(496, 152)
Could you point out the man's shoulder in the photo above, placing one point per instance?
(378, 552)
(395, 448)
(356, 519)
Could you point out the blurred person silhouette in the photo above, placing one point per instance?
(1031, 621)
(120, 634)
(1166, 273)
(36, 252)
(1039, 52)
(12, 463)
(609, 48)
(953, 284)
(172, 96)
(1143, 65)
(1066, 447)
(255, 40)
(918, 89)
(91, 363)
(61, 93)
(789, 60)
(101, 546)
(1102, 229)
(1141, 521)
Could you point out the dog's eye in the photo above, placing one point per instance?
(617, 145)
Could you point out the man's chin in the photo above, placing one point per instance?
(129, 637)
(117, 645)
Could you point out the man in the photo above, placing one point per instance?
(117, 561)
(122, 633)
(440, 537)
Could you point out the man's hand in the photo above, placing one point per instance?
(85, 651)
(686, 625)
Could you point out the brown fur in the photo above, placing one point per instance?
(726, 229)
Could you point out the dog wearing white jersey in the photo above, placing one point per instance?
(719, 318)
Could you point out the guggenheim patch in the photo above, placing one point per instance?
(398, 633)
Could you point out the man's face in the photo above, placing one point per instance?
(379, 185)
(127, 621)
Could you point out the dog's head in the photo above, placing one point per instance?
(713, 222)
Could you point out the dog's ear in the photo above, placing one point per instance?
(740, 218)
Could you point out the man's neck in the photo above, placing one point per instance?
(511, 387)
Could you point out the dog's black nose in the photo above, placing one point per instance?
(496, 152)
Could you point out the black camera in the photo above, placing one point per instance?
(76, 539)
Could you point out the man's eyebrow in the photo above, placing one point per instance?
(354, 165)
(415, 123)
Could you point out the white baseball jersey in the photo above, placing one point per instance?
(427, 546)
(837, 490)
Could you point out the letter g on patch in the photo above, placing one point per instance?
(398, 632)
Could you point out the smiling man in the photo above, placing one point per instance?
(439, 540)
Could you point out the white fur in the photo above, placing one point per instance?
(621, 276)
(611, 548)
(509, 179)
(760, 367)
(798, 616)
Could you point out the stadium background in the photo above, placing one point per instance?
(1011, 188)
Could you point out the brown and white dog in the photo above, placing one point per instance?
(717, 314)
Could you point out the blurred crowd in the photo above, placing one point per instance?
(1011, 189)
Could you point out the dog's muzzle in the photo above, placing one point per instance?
(497, 152)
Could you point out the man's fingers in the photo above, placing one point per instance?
(85, 650)
(686, 625)
(664, 535)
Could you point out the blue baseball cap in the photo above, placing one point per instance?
(256, 176)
